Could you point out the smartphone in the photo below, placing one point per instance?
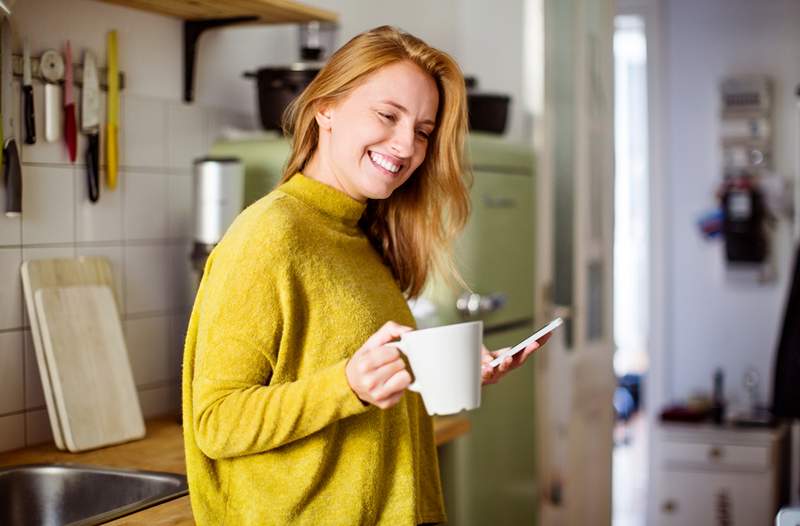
(550, 327)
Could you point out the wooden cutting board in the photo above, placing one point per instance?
(41, 273)
(92, 380)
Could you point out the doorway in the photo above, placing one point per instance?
(631, 264)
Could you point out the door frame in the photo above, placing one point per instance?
(657, 387)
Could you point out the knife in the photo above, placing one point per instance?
(90, 123)
(12, 174)
(70, 130)
(27, 94)
(113, 110)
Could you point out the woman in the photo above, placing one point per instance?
(295, 410)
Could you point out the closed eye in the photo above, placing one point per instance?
(388, 116)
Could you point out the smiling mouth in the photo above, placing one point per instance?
(384, 162)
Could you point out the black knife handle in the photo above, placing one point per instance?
(30, 122)
(12, 175)
(93, 166)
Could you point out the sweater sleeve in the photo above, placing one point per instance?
(237, 410)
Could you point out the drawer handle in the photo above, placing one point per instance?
(669, 506)
(715, 453)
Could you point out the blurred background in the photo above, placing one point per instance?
(636, 167)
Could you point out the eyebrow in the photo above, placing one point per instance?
(405, 110)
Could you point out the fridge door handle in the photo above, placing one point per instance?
(473, 304)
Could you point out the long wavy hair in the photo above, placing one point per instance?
(414, 228)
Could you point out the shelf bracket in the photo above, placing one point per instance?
(192, 29)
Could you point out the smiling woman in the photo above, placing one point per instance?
(296, 410)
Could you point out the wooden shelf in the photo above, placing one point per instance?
(265, 11)
(201, 15)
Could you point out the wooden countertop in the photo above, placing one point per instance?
(162, 450)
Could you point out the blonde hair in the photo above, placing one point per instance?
(414, 228)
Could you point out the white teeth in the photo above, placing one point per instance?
(384, 162)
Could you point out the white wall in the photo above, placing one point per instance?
(710, 321)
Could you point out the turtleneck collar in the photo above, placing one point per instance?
(326, 199)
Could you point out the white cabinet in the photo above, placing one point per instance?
(707, 475)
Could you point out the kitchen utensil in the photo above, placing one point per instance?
(92, 380)
(446, 364)
(12, 172)
(42, 273)
(51, 67)
(488, 112)
(113, 111)
(27, 94)
(90, 123)
(278, 86)
(70, 130)
(12, 176)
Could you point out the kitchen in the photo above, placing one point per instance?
(145, 226)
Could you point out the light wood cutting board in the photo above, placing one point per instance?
(92, 380)
(41, 273)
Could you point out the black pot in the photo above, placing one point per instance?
(488, 113)
(278, 86)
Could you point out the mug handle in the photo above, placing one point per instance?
(402, 348)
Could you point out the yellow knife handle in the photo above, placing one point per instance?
(111, 156)
(112, 103)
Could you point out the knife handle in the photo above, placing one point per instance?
(30, 122)
(71, 131)
(93, 166)
(111, 156)
(12, 174)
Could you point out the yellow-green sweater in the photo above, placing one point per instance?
(273, 433)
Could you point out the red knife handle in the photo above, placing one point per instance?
(93, 166)
(30, 122)
(71, 131)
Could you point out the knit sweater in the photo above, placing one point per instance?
(272, 431)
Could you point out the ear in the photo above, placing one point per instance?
(324, 117)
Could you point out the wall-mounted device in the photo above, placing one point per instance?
(746, 140)
(745, 128)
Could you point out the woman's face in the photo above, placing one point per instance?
(378, 135)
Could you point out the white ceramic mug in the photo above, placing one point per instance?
(446, 364)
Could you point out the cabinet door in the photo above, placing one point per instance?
(732, 499)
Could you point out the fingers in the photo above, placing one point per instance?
(389, 332)
(392, 388)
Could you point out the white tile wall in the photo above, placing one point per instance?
(149, 349)
(143, 227)
(99, 221)
(11, 285)
(145, 125)
(147, 278)
(34, 396)
(12, 431)
(12, 390)
(185, 143)
(48, 205)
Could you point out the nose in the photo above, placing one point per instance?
(402, 142)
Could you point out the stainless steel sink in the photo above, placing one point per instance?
(56, 494)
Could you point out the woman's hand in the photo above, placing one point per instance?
(492, 375)
(376, 372)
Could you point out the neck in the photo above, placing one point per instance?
(320, 169)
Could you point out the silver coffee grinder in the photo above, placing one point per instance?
(218, 199)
